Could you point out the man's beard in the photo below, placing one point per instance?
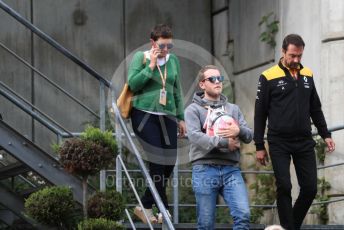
(294, 65)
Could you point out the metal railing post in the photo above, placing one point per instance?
(175, 184)
(52, 42)
(144, 170)
(102, 174)
(120, 148)
(59, 139)
(120, 161)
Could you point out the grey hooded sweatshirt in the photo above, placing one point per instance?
(212, 149)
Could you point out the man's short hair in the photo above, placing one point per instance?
(161, 31)
(294, 39)
(200, 75)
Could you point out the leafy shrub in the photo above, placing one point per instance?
(320, 149)
(84, 157)
(51, 206)
(87, 156)
(99, 224)
(264, 190)
(105, 139)
(265, 193)
(109, 205)
(321, 209)
(271, 26)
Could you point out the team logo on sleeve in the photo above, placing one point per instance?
(305, 82)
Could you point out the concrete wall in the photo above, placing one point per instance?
(331, 81)
(320, 23)
(102, 33)
(323, 21)
(250, 57)
(15, 75)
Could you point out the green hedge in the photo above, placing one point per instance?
(109, 205)
(99, 224)
(52, 206)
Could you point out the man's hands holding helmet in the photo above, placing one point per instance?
(231, 132)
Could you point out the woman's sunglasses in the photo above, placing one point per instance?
(168, 45)
(213, 79)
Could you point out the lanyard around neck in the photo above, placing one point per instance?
(163, 76)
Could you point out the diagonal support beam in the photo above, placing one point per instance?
(39, 161)
(16, 205)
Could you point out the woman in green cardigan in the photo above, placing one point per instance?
(158, 112)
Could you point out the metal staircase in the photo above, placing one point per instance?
(31, 158)
(13, 170)
(28, 157)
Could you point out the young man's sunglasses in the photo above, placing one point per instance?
(213, 79)
(168, 45)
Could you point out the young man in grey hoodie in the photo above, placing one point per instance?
(215, 151)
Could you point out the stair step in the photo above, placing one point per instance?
(44, 164)
(191, 226)
(13, 170)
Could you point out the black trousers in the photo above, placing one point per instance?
(158, 136)
(303, 155)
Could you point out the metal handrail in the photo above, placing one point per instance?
(103, 82)
(331, 129)
(144, 170)
(34, 112)
(130, 220)
(330, 166)
(107, 83)
(47, 79)
(53, 43)
(134, 190)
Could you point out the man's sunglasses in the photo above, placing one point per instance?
(213, 79)
(168, 45)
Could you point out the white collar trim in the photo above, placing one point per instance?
(160, 61)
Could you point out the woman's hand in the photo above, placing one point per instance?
(181, 129)
(154, 53)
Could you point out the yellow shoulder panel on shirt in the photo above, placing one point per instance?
(306, 72)
(274, 72)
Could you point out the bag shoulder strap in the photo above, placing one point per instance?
(144, 59)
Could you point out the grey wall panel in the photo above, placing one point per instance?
(333, 19)
(219, 4)
(308, 26)
(189, 21)
(245, 15)
(330, 81)
(221, 34)
(222, 49)
(92, 31)
(12, 72)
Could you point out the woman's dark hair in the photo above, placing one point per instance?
(293, 39)
(161, 31)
